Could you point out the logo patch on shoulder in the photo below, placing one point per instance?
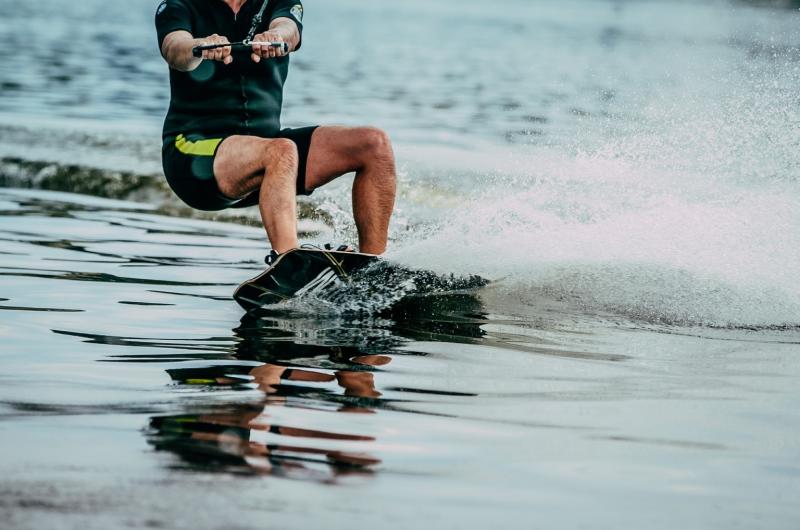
(161, 7)
(297, 12)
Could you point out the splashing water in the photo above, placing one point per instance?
(686, 216)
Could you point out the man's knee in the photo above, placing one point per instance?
(281, 157)
(281, 150)
(375, 141)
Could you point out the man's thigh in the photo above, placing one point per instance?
(335, 151)
(240, 163)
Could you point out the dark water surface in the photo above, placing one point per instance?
(135, 393)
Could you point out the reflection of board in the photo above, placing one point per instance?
(299, 272)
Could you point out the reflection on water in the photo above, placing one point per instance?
(245, 434)
(243, 439)
(308, 363)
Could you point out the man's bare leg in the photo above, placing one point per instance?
(247, 163)
(335, 151)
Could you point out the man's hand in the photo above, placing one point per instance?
(218, 54)
(266, 51)
(281, 29)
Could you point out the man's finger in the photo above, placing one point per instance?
(256, 58)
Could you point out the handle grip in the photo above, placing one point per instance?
(197, 51)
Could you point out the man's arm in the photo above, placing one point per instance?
(174, 27)
(282, 29)
(177, 46)
(177, 50)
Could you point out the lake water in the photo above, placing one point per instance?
(626, 175)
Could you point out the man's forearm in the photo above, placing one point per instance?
(286, 28)
(177, 51)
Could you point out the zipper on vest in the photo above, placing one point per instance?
(245, 112)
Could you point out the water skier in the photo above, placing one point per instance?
(222, 142)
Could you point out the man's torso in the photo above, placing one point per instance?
(243, 97)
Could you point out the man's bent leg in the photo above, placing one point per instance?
(244, 164)
(367, 151)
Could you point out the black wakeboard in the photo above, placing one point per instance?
(297, 272)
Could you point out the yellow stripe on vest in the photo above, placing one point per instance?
(198, 148)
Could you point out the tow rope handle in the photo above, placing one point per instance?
(197, 51)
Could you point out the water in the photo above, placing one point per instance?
(625, 174)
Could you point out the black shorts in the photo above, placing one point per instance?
(188, 163)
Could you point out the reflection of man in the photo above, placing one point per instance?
(247, 434)
(223, 146)
(251, 434)
(355, 383)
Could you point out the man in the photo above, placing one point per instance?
(223, 146)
